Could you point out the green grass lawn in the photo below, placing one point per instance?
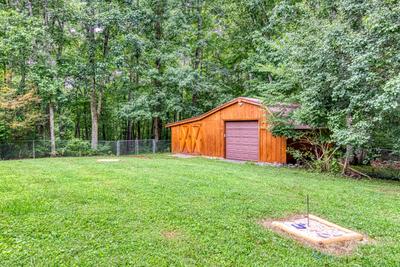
(167, 211)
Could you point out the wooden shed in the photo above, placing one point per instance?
(235, 130)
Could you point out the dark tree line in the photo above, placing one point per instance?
(123, 69)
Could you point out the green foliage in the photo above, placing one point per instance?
(4, 132)
(282, 125)
(343, 58)
(320, 158)
(141, 64)
(381, 173)
(78, 147)
(326, 164)
(102, 149)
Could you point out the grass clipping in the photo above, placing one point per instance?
(317, 233)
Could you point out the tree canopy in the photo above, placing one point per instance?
(123, 69)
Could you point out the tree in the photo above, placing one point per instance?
(122, 69)
(98, 21)
(342, 58)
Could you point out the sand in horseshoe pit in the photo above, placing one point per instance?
(318, 233)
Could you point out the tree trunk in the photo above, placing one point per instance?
(29, 5)
(158, 27)
(23, 77)
(270, 78)
(95, 126)
(52, 135)
(78, 127)
(104, 131)
(360, 156)
(45, 13)
(199, 51)
(157, 128)
(5, 73)
(138, 134)
(349, 148)
(129, 122)
(86, 126)
(129, 130)
(95, 96)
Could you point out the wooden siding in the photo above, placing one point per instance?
(207, 135)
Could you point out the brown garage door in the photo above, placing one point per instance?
(241, 139)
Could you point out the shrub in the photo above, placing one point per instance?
(321, 159)
(101, 150)
(380, 172)
(76, 147)
(79, 147)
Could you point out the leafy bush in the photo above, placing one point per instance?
(79, 147)
(76, 147)
(379, 172)
(326, 165)
(101, 150)
(42, 148)
(326, 162)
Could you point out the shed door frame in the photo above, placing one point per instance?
(259, 135)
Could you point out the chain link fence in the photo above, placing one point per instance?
(81, 148)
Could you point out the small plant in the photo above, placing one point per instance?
(380, 171)
(101, 150)
(79, 147)
(313, 149)
(322, 160)
(76, 147)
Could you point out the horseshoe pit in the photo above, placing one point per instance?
(318, 233)
(107, 160)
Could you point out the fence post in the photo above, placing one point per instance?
(137, 146)
(33, 149)
(154, 146)
(118, 148)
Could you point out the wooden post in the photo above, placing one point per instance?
(137, 146)
(118, 148)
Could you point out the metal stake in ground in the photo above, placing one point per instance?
(308, 210)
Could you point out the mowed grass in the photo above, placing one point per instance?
(162, 210)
